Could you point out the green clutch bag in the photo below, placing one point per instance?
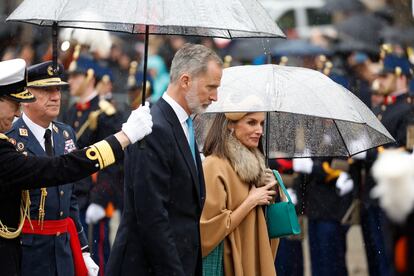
(281, 216)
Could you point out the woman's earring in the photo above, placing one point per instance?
(231, 131)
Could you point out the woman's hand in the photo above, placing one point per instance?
(262, 195)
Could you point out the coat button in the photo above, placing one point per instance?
(61, 213)
(62, 193)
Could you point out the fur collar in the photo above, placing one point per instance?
(248, 164)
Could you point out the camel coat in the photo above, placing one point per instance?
(247, 250)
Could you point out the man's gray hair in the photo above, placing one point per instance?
(192, 59)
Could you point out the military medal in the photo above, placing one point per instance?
(23, 132)
(69, 146)
(66, 134)
(20, 146)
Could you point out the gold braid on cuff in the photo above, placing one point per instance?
(102, 152)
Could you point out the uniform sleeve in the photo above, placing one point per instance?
(215, 219)
(29, 172)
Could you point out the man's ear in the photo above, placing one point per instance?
(184, 81)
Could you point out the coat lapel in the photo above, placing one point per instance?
(58, 146)
(182, 143)
(30, 142)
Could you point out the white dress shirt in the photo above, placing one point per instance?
(38, 131)
(180, 112)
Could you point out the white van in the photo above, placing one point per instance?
(298, 18)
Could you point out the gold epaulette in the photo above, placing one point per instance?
(102, 152)
(331, 173)
(106, 107)
(92, 121)
(3, 137)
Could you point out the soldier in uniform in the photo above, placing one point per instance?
(53, 205)
(93, 118)
(394, 113)
(19, 172)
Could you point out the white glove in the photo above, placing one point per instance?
(344, 184)
(94, 213)
(302, 165)
(293, 195)
(360, 156)
(93, 268)
(139, 124)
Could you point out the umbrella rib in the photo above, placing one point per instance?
(250, 17)
(342, 138)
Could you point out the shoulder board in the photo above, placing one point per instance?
(3, 137)
(106, 107)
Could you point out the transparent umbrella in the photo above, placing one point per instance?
(213, 18)
(309, 114)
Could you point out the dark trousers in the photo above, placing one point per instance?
(327, 241)
(101, 247)
(289, 258)
(378, 255)
(10, 257)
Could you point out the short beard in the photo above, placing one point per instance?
(193, 102)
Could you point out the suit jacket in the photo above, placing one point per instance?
(164, 196)
(50, 253)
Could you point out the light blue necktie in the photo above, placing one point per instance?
(191, 141)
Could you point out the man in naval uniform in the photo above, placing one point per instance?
(19, 172)
(36, 133)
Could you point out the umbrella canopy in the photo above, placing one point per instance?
(310, 115)
(213, 18)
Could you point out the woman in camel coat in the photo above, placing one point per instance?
(233, 225)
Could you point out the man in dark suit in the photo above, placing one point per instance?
(54, 204)
(164, 185)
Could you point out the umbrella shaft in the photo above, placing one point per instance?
(54, 45)
(144, 85)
